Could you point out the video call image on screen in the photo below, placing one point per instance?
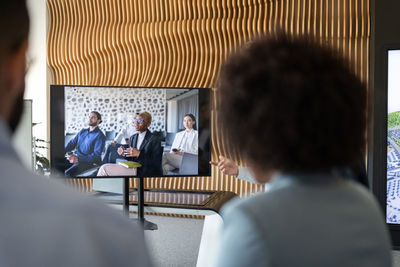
(123, 144)
(393, 138)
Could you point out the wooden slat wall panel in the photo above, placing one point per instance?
(183, 44)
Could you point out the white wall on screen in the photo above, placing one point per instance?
(172, 119)
(393, 81)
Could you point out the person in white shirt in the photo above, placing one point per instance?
(302, 113)
(122, 137)
(126, 132)
(185, 141)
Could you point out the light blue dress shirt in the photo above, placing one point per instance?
(305, 220)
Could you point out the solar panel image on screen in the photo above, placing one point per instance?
(393, 138)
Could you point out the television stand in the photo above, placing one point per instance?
(147, 225)
(169, 201)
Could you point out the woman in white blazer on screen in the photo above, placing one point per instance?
(184, 141)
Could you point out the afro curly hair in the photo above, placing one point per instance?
(297, 105)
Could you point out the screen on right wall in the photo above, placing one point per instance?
(393, 138)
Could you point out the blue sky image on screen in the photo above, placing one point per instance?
(393, 138)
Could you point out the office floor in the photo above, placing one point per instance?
(396, 258)
(176, 242)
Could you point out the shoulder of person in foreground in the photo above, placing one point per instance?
(241, 244)
(244, 173)
(246, 236)
(60, 227)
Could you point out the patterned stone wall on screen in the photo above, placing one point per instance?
(116, 105)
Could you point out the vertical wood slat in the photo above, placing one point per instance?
(182, 43)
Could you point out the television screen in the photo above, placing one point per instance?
(100, 131)
(393, 138)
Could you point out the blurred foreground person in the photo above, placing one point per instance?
(42, 222)
(302, 113)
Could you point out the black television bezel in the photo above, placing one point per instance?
(57, 127)
(377, 146)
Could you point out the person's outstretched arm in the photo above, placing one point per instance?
(229, 167)
(72, 143)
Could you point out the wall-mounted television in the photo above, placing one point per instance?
(143, 131)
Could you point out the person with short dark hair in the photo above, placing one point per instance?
(43, 222)
(88, 146)
(302, 113)
(144, 148)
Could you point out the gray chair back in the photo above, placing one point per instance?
(169, 139)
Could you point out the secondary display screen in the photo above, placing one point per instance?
(393, 138)
(100, 131)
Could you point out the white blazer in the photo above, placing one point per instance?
(192, 144)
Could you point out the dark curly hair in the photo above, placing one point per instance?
(289, 104)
